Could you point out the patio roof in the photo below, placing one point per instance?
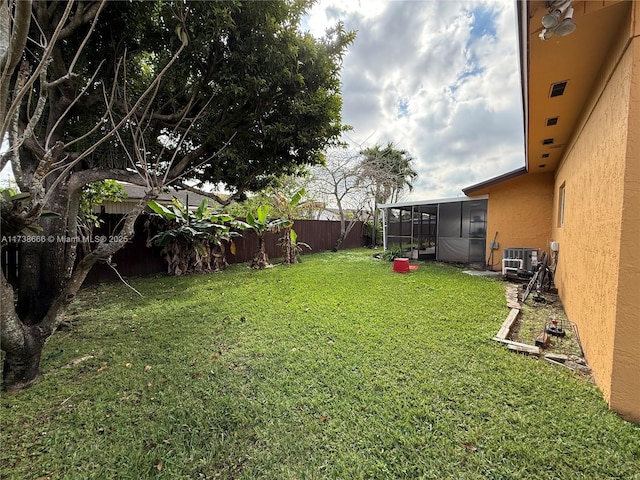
(434, 202)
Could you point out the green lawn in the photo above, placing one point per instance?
(333, 368)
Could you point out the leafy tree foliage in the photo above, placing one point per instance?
(390, 171)
(155, 93)
(95, 194)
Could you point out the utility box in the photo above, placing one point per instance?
(529, 257)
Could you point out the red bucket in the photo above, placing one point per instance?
(401, 265)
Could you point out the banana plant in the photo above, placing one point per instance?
(195, 240)
(262, 224)
(291, 247)
(289, 208)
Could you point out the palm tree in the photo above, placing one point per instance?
(389, 171)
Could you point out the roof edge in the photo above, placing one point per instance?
(522, 19)
(431, 202)
(495, 180)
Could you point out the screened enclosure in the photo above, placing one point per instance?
(447, 230)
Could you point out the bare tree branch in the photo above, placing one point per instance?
(108, 135)
(179, 174)
(26, 88)
(12, 44)
(62, 117)
(84, 177)
(212, 196)
(80, 17)
(342, 180)
(92, 14)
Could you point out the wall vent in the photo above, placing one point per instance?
(545, 155)
(552, 121)
(557, 89)
(547, 141)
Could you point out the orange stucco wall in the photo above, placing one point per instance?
(519, 210)
(597, 274)
(625, 379)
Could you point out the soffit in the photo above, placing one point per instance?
(577, 59)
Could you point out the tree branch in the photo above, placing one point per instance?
(13, 39)
(183, 163)
(61, 118)
(18, 139)
(92, 15)
(12, 330)
(210, 195)
(79, 18)
(88, 151)
(46, 55)
(84, 177)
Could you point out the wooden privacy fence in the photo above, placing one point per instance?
(137, 259)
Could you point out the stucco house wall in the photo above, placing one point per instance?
(519, 210)
(597, 175)
(625, 377)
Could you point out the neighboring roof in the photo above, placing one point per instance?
(136, 192)
(495, 180)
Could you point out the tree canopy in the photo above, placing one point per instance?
(246, 78)
(182, 93)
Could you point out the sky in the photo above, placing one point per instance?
(439, 79)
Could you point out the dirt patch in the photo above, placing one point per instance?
(536, 316)
(544, 313)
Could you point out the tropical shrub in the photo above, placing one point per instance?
(194, 241)
(291, 247)
(390, 254)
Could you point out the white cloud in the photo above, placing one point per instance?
(439, 79)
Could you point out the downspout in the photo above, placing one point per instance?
(412, 229)
(438, 234)
(384, 228)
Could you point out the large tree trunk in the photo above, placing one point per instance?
(21, 369)
(22, 344)
(343, 235)
(43, 269)
(24, 331)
